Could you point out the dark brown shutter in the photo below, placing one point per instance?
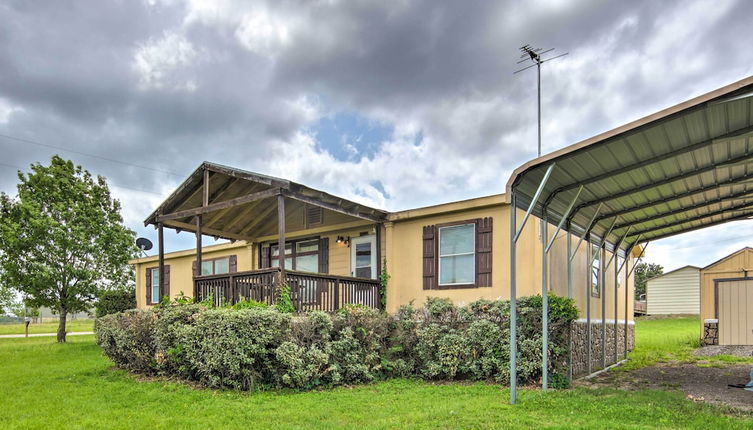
(194, 268)
(264, 251)
(430, 262)
(167, 282)
(484, 252)
(233, 264)
(148, 286)
(324, 255)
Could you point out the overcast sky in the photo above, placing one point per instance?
(395, 104)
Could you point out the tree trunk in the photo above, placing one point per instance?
(61, 327)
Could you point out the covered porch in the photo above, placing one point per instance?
(265, 212)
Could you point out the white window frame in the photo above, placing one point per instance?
(155, 297)
(371, 240)
(439, 255)
(596, 264)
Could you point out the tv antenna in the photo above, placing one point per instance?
(535, 55)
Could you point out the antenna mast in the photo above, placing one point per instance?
(535, 55)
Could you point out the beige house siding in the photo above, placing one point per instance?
(402, 249)
(677, 292)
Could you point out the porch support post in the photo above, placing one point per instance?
(161, 248)
(281, 235)
(199, 224)
(513, 306)
(378, 234)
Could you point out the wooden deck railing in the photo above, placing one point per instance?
(309, 291)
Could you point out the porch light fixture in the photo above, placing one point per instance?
(343, 240)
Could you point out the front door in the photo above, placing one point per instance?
(363, 256)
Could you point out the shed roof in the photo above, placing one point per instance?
(689, 266)
(681, 169)
(727, 257)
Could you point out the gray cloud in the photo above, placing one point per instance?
(170, 83)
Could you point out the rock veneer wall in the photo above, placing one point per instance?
(710, 332)
(579, 336)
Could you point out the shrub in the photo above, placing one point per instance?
(252, 345)
(234, 348)
(114, 301)
(283, 302)
(128, 339)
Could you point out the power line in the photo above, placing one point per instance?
(99, 157)
(109, 183)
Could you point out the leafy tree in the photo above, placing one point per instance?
(6, 297)
(62, 239)
(115, 300)
(644, 272)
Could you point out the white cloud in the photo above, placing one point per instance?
(155, 60)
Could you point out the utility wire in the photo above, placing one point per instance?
(99, 157)
(109, 183)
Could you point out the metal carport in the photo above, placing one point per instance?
(681, 169)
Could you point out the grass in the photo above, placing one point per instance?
(46, 385)
(48, 327)
(660, 340)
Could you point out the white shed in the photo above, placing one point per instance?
(675, 292)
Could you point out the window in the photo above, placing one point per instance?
(595, 270)
(619, 275)
(155, 284)
(216, 266)
(457, 262)
(301, 255)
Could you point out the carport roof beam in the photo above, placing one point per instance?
(680, 162)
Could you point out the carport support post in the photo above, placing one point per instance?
(616, 295)
(545, 306)
(626, 302)
(513, 306)
(514, 235)
(603, 292)
(570, 296)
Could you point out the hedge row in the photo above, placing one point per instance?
(264, 348)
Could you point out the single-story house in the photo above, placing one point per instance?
(727, 300)
(675, 292)
(455, 250)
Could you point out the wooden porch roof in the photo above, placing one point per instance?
(241, 205)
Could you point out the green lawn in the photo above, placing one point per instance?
(48, 327)
(670, 339)
(46, 385)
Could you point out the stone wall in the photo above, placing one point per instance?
(710, 332)
(579, 336)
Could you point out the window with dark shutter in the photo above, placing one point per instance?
(233, 264)
(484, 252)
(166, 293)
(264, 257)
(429, 261)
(148, 286)
(458, 254)
(324, 255)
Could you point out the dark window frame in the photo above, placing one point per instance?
(214, 267)
(293, 251)
(152, 271)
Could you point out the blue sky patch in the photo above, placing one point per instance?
(349, 136)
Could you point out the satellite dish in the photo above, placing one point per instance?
(144, 244)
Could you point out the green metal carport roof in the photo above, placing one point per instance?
(681, 169)
(684, 168)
